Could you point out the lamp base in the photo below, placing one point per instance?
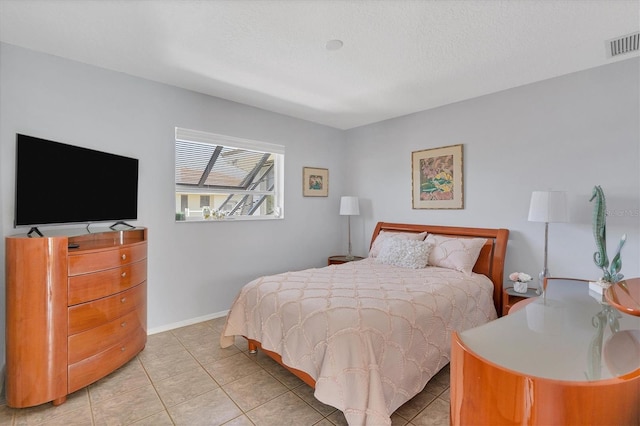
(540, 290)
(349, 257)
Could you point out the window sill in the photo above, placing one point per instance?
(231, 219)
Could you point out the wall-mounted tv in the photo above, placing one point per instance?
(57, 183)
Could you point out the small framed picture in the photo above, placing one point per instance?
(436, 176)
(315, 182)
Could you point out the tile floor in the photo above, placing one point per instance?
(183, 377)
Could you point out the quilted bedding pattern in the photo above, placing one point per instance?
(371, 335)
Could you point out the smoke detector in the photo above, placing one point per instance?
(622, 45)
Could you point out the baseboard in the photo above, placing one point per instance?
(185, 323)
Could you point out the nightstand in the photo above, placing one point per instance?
(337, 260)
(511, 297)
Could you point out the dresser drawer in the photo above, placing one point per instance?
(82, 263)
(98, 312)
(94, 368)
(87, 287)
(91, 342)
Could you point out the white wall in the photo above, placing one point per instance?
(194, 269)
(568, 133)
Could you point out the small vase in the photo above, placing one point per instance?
(520, 287)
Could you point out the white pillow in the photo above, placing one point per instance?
(459, 254)
(385, 235)
(404, 253)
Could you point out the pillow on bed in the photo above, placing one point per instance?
(383, 236)
(454, 253)
(404, 253)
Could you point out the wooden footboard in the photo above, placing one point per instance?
(254, 345)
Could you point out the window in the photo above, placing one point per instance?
(221, 177)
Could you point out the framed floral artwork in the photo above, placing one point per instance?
(436, 178)
(315, 182)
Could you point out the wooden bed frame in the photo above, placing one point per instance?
(490, 263)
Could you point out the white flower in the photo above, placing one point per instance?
(520, 277)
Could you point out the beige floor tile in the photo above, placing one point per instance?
(159, 419)
(284, 376)
(211, 408)
(241, 343)
(297, 412)
(170, 365)
(240, 421)
(254, 390)
(416, 404)
(176, 381)
(201, 331)
(158, 341)
(436, 414)
(232, 368)
(217, 324)
(276, 370)
(6, 414)
(80, 417)
(337, 418)
(446, 395)
(127, 407)
(210, 352)
(159, 346)
(397, 420)
(306, 393)
(129, 377)
(440, 382)
(182, 387)
(263, 360)
(75, 403)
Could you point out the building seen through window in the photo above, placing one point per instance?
(219, 177)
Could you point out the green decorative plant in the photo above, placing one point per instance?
(611, 272)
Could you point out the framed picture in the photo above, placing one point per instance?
(315, 182)
(436, 178)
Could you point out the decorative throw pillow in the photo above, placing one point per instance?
(455, 253)
(404, 253)
(383, 236)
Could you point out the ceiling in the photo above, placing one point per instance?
(398, 56)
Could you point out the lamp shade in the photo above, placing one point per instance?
(548, 206)
(349, 206)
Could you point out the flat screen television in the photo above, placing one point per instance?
(57, 183)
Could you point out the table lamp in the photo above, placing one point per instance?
(547, 207)
(349, 207)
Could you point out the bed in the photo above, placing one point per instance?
(368, 335)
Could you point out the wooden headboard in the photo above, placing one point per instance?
(490, 261)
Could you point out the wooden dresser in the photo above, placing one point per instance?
(76, 310)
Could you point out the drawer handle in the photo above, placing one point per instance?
(124, 274)
(124, 256)
(123, 300)
(123, 324)
(122, 349)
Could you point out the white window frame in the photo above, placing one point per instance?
(278, 151)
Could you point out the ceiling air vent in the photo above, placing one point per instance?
(624, 44)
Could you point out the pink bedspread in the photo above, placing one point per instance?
(371, 335)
